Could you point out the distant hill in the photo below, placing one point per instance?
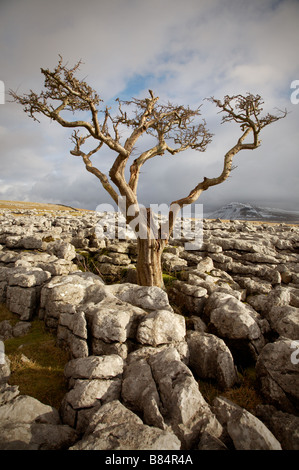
(39, 206)
(239, 211)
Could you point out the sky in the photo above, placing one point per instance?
(185, 52)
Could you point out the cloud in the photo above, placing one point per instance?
(184, 51)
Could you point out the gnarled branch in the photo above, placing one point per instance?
(244, 110)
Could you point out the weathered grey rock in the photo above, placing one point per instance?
(76, 345)
(280, 296)
(87, 393)
(205, 265)
(173, 263)
(210, 358)
(284, 426)
(34, 259)
(278, 374)
(254, 285)
(148, 298)
(258, 302)
(192, 257)
(161, 388)
(27, 409)
(190, 298)
(85, 397)
(197, 324)
(23, 301)
(209, 442)
(59, 267)
(94, 367)
(75, 322)
(99, 347)
(236, 321)
(63, 294)
(3, 286)
(246, 431)
(35, 436)
(62, 250)
(113, 320)
(261, 271)
(146, 351)
(192, 278)
(21, 328)
(286, 276)
(5, 330)
(294, 297)
(33, 242)
(8, 258)
(4, 366)
(129, 437)
(111, 414)
(119, 246)
(72, 333)
(187, 412)
(118, 259)
(26, 277)
(160, 327)
(261, 258)
(114, 427)
(197, 291)
(285, 321)
(13, 241)
(7, 392)
(140, 393)
(111, 271)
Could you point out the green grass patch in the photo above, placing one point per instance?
(168, 279)
(37, 364)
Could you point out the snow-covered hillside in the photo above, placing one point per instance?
(239, 211)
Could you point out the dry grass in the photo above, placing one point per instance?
(34, 205)
(5, 314)
(40, 208)
(245, 394)
(37, 364)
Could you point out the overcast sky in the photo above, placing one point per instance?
(183, 50)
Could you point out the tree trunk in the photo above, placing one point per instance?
(149, 266)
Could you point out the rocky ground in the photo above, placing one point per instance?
(137, 353)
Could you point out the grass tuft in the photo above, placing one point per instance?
(168, 279)
(245, 394)
(37, 364)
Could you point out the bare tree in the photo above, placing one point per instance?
(173, 128)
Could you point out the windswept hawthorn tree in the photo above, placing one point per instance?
(172, 126)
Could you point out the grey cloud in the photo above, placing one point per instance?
(190, 50)
(83, 190)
